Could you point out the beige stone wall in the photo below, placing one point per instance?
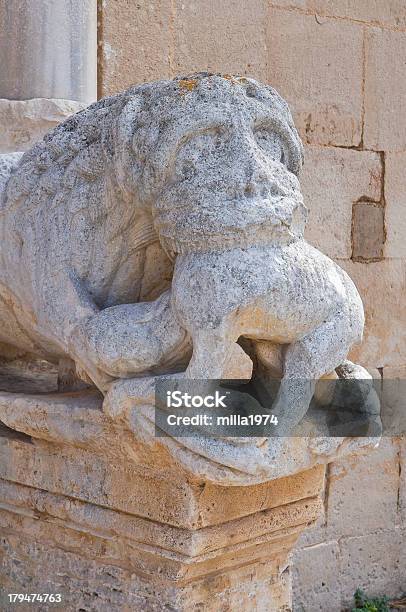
(341, 65)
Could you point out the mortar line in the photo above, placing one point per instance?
(398, 499)
(363, 78)
(171, 50)
(99, 53)
(359, 22)
(326, 492)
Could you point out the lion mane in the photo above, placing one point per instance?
(96, 175)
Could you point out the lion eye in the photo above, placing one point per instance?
(270, 143)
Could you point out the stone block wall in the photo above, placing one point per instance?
(342, 67)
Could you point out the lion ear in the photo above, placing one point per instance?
(127, 166)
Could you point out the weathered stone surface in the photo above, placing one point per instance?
(79, 421)
(326, 575)
(48, 50)
(233, 40)
(317, 533)
(368, 231)
(99, 478)
(395, 210)
(236, 239)
(402, 483)
(391, 13)
(152, 563)
(374, 564)
(353, 492)
(24, 122)
(85, 582)
(373, 12)
(316, 578)
(202, 538)
(135, 43)
(289, 4)
(385, 90)
(381, 284)
(7, 165)
(216, 503)
(325, 94)
(332, 180)
(364, 504)
(143, 42)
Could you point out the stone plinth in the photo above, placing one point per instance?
(98, 508)
(113, 533)
(24, 122)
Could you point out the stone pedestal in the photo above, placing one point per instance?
(112, 533)
(144, 543)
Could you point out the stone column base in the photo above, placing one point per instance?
(122, 536)
(24, 122)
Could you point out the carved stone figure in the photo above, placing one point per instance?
(156, 229)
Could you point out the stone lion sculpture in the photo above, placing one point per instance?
(152, 231)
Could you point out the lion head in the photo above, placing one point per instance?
(215, 158)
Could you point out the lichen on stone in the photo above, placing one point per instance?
(188, 84)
